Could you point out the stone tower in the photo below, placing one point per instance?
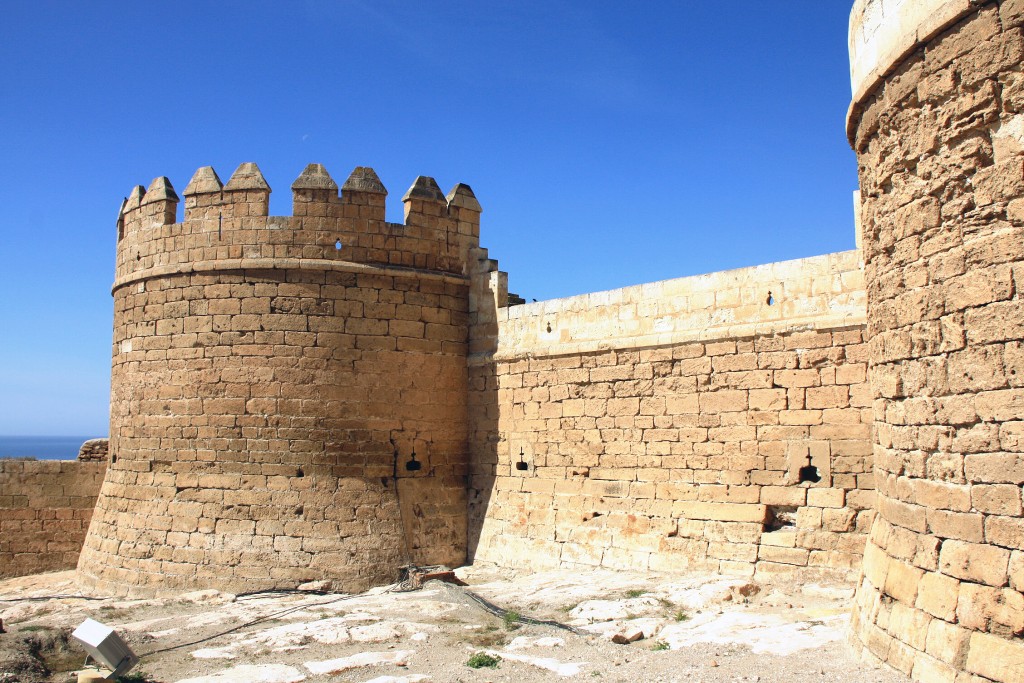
(938, 126)
(288, 395)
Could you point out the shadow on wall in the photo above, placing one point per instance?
(483, 454)
(488, 292)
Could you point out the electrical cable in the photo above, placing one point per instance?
(503, 613)
(50, 597)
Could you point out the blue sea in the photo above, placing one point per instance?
(42, 447)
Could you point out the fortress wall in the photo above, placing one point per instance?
(263, 409)
(940, 143)
(45, 508)
(230, 222)
(665, 426)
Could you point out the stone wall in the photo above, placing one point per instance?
(666, 426)
(272, 378)
(45, 508)
(939, 133)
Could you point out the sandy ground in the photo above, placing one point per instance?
(696, 629)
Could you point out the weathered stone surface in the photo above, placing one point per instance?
(332, 667)
(45, 510)
(94, 449)
(314, 177)
(269, 400)
(204, 181)
(673, 441)
(247, 176)
(941, 180)
(996, 658)
(252, 673)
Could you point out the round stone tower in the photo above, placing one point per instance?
(937, 123)
(288, 396)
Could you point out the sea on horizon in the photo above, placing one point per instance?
(42, 447)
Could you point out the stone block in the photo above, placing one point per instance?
(984, 564)
(795, 496)
(902, 582)
(957, 525)
(997, 499)
(725, 512)
(783, 555)
(826, 498)
(938, 595)
(984, 608)
(930, 669)
(996, 658)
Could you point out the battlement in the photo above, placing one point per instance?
(231, 221)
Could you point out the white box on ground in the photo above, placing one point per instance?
(105, 646)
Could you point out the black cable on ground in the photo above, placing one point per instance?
(502, 613)
(405, 584)
(50, 597)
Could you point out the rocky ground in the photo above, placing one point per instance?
(669, 627)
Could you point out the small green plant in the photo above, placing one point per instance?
(481, 660)
(511, 620)
(138, 676)
(681, 616)
(659, 645)
(634, 593)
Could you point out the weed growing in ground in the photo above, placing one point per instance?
(681, 616)
(511, 620)
(138, 676)
(482, 660)
(659, 645)
(635, 592)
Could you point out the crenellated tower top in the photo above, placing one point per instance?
(231, 222)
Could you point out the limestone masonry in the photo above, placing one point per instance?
(45, 508)
(938, 127)
(273, 376)
(328, 395)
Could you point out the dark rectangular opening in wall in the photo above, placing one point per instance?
(780, 517)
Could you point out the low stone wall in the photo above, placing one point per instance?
(45, 509)
(717, 422)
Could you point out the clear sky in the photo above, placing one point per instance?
(609, 143)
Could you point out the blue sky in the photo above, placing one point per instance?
(609, 143)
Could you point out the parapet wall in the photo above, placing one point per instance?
(224, 223)
(45, 508)
(821, 292)
(718, 422)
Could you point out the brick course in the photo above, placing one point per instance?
(45, 508)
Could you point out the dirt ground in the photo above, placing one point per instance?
(696, 629)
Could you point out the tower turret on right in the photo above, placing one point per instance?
(937, 122)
